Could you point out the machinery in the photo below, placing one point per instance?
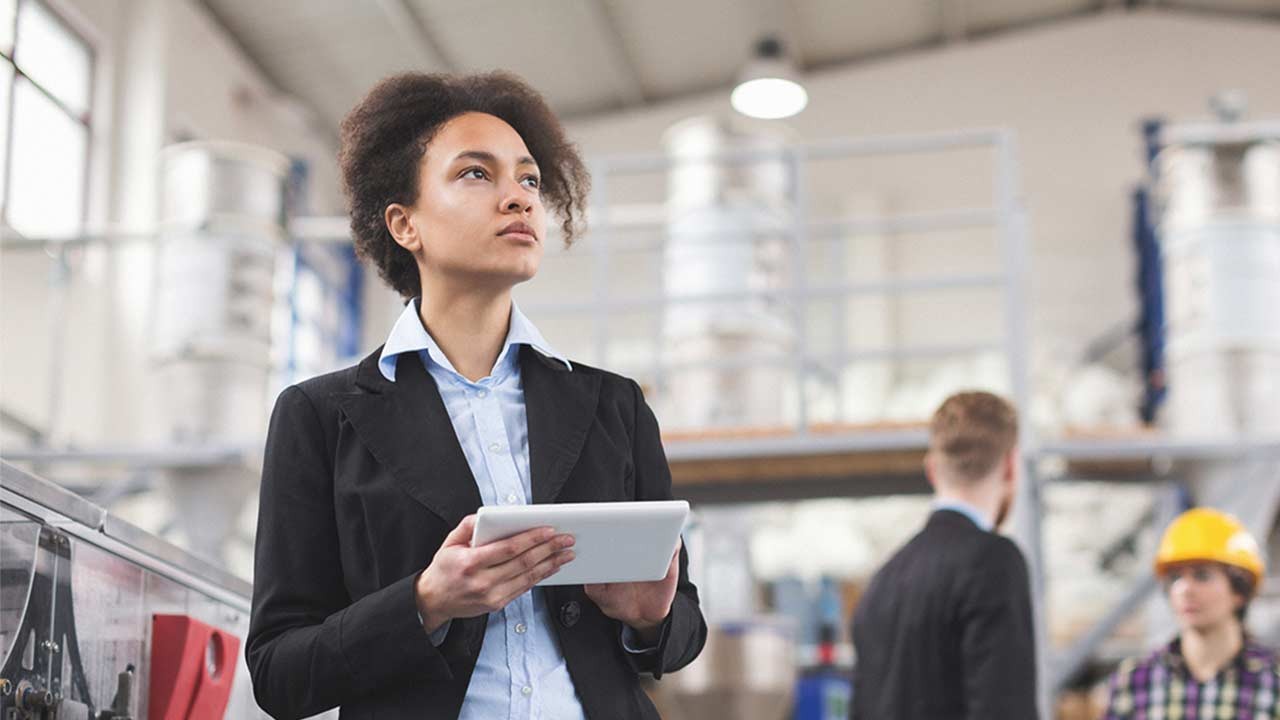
(222, 225)
(101, 621)
(43, 673)
(1218, 187)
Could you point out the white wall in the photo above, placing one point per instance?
(217, 93)
(164, 70)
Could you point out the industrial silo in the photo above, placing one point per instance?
(729, 223)
(222, 224)
(1219, 228)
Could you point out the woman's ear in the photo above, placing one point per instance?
(399, 221)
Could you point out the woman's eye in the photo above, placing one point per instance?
(532, 181)
(477, 173)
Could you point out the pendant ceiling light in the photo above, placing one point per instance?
(769, 88)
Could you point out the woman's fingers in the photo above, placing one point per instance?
(531, 558)
(501, 551)
(512, 588)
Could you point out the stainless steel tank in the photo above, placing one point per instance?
(222, 225)
(1219, 227)
(728, 228)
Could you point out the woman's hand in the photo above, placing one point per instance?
(463, 581)
(642, 605)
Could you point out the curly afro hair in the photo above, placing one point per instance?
(384, 138)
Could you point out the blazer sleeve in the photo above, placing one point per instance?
(998, 638)
(310, 648)
(684, 632)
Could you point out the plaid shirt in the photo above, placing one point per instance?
(1161, 687)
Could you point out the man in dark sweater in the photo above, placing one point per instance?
(944, 630)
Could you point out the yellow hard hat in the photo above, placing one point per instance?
(1204, 534)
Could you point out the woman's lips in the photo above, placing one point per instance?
(519, 231)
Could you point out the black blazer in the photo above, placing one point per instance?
(944, 630)
(363, 479)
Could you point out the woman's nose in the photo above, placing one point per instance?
(513, 199)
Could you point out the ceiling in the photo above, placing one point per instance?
(596, 56)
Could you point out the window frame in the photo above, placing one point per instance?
(10, 63)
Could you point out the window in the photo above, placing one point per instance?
(46, 93)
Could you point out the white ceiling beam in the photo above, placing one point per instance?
(789, 26)
(629, 86)
(415, 33)
(955, 20)
(220, 18)
(778, 19)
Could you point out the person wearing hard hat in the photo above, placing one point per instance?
(1210, 568)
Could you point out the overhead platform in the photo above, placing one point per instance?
(727, 465)
(1138, 453)
(753, 464)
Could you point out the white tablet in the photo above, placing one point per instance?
(613, 542)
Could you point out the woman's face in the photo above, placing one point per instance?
(1201, 595)
(479, 214)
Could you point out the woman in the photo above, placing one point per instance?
(1211, 568)
(367, 593)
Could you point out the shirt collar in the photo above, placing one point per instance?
(977, 516)
(409, 335)
(1253, 657)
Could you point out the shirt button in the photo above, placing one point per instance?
(511, 499)
(482, 393)
(520, 628)
(495, 447)
(526, 690)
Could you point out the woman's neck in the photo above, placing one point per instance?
(469, 326)
(1207, 651)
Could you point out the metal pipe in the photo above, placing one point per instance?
(137, 457)
(1064, 669)
(833, 359)
(810, 444)
(60, 287)
(798, 294)
(820, 292)
(847, 147)
(79, 518)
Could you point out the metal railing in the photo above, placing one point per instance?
(802, 226)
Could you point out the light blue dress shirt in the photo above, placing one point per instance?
(521, 672)
(977, 516)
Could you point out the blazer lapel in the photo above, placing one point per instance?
(406, 427)
(560, 405)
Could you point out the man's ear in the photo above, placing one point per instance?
(1011, 466)
(399, 221)
(930, 469)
